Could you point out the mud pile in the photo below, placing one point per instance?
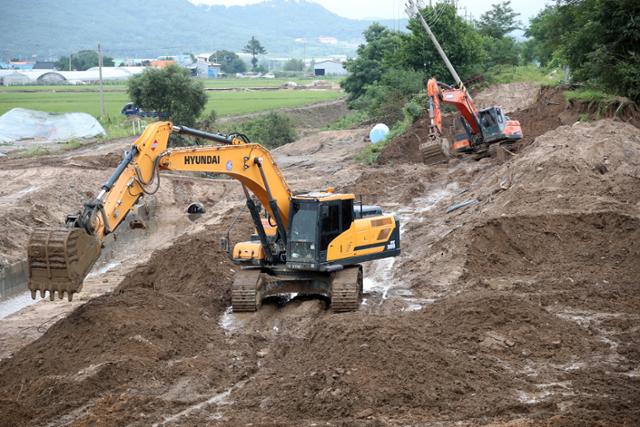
(519, 309)
(452, 362)
(156, 329)
(550, 111)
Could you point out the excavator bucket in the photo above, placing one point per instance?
(59, 259)
(435, 151)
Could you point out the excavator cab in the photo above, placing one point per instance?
(316, 219)
(497, 127)
(326, 231)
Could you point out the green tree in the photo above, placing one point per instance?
(499, 21)
(546, 32)
(254, 48)
(230, 62)
(501, 51)
(598, 39)
(83, 60)
(170, 91)
(385, 100)
(294, 65)
(271, 130)
(371, 62)
(460, 41)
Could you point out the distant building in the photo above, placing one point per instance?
(15, 78)
(207, 70)
(21, 65)
(92, 75)
(44, 65)
(213, 71)
(329, 68)
(163, 63)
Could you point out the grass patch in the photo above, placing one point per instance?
(236, 103)
(34, 151)
(590, 96)
(501, 74)
(352, 120)
(602, 104)
(118, 127)
(71, 145)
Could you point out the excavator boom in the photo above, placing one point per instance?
(60, 258)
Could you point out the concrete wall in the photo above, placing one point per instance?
(13, 279)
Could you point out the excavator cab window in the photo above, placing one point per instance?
(313, 225)
(303, 232)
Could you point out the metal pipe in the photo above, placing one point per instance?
(273, 204)
(116, 173)
(255, 215)
(217, 137)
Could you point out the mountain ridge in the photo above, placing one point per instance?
(143, 29)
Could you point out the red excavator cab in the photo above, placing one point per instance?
(497, 127)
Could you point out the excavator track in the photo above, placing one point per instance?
(245, 293)
(59, 259)
(346, 290)
(433, 152)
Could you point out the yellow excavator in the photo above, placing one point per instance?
(312, 243)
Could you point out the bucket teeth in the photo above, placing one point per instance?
(59, 260)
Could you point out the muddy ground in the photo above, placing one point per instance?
(520, 308)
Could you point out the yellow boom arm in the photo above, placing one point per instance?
(59, 259)
(251, 164)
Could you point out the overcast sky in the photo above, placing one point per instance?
(362, 9)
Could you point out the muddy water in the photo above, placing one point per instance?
(380, 282)
(15, 303)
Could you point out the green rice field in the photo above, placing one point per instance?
(224, 102)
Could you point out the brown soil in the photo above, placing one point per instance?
(519, 310)
(548, 112)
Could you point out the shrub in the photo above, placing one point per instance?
(271, 130)
(208, 120)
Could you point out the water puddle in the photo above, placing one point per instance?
(379, 275)
(17, 195)
(532, 398)
(97, 271)
(229, 321)
(217, 400)
(15, 303)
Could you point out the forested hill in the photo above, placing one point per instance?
(145, 28)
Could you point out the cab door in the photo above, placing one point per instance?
(335, 217)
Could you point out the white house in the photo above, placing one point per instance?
(329, 68)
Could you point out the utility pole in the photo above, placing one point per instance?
(70, 55)
(101, 88)
(412, 10)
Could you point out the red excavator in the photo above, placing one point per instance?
(474, 131)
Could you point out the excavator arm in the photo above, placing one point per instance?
(60, 258)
